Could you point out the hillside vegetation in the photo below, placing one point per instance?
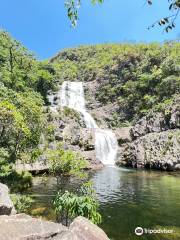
(134, 77)
(125, 81)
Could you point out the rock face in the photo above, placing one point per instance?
(24, 227)
(156, 141)
(6, 205)
(123, 135)
(158, 121)
(155, 150)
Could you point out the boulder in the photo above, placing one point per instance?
(6, 205)
(24, 227)
(85, 230)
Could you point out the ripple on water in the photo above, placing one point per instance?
(130, 198)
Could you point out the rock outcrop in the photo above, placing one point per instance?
(123, 135)
(6, 205)
(156, 141)
(168, 118)
(24, 227)
(154, 151)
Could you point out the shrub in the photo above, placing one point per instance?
(22, 203)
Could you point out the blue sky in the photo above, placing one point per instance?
(42, 25)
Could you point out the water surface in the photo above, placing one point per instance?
(128, 198)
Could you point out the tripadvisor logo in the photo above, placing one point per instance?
(139, 231)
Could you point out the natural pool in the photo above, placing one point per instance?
(128, 198)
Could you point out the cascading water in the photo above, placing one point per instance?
(72, 96)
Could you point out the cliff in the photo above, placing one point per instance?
(134, 90)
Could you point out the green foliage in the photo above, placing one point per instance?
(22, 203)
(70, 205)
(24, 83)
(66, 163)
(136, 77)
(21, 121)
(19, 70)
(72, 7)
(17, 181)
(5, 166)
(71, 113)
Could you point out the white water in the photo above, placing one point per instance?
(72, 96)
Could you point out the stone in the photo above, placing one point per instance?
(177, 166)
(58, 137)
(25, 227)
(85, 230)
(6, 205)
(40, 166)
(123, 135)
(22, 226)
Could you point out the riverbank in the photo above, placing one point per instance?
(22, 226)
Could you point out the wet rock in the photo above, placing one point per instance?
(88, 139)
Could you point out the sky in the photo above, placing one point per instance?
(43, 27)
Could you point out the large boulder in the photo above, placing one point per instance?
(85, 230)
(24, 227)
(6, 205)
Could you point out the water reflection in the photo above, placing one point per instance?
(128, 198)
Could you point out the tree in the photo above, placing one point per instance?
(168, 22)
(80, 201)
(20, 70)
(21, 122)
(65, 164)
(72, 7)
(13, 129)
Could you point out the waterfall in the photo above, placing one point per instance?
(72, 96)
